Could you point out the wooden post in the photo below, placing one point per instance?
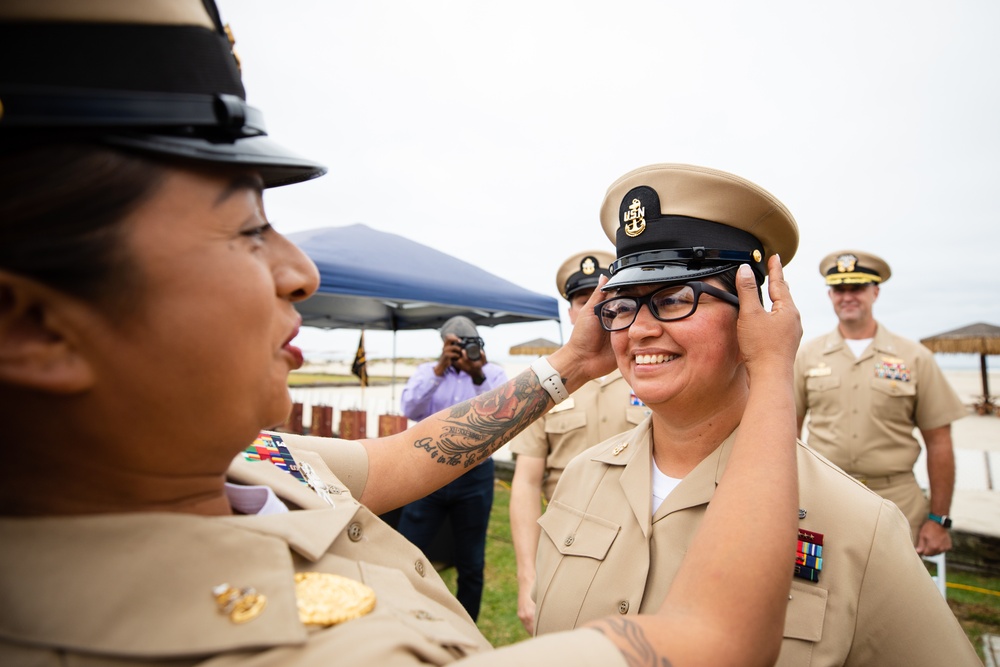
(391, 424)
(293, 422)
(353, 424)
(322, 421)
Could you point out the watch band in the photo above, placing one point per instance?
(944, 520)
(549, 379)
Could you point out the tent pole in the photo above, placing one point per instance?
(393, 370)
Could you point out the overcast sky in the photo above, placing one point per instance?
(491, 132)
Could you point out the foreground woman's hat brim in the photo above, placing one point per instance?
(678, 222)
(160, 78)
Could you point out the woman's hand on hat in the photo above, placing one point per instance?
(588, 353)
(768, 339)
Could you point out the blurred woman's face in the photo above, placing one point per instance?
(208, 345)
(690, 361)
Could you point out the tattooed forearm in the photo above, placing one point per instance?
(478, 427)
(631, 641)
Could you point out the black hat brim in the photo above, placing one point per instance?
(661, 273)
(276, 164)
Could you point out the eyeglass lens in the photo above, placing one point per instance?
(670, 303)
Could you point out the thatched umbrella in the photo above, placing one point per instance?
(979, 338)
(537, 348)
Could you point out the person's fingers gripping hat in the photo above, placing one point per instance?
(853, 267)
(582, 271)
(154, 76)
(678, 222)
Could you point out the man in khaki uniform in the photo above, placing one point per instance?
(612, 542)
(601, 408)
(865, 389)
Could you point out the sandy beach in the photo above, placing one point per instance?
(976, 504)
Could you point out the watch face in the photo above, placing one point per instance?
(946, 521)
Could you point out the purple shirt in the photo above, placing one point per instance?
(426, 393)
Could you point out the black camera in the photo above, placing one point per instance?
(473, 346)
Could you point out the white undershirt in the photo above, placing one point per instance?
(858, 345)
(258, 500)
(662, 486)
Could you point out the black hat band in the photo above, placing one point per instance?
(122, 75)
(698, 243)
(581, 281)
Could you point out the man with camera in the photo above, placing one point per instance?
(460, 373)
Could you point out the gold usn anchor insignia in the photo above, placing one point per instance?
(635, 218)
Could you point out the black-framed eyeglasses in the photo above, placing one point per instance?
(674, 302)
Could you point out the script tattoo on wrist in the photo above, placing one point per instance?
(631, 640)
(476, 428)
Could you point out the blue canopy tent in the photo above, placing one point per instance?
(376, 280)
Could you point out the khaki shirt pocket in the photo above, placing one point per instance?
(570, 555)
(567, 436)
(634, 414)
(562, 423)
(803, 623)
(893, 400)
(822, 383)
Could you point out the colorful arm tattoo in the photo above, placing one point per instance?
(478, 427)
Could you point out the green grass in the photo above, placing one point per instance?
(978, 610)
(498, 619)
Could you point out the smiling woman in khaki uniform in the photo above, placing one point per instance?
(146, 325)
(624, 513)
(601, 408)
(865, 388)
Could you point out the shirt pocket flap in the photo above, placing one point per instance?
(806, 612)
(894, 387)
(575, 533)
(822, 383)
(634, 414)
(560, 423)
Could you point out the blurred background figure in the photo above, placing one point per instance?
(864, 390)
(460, 373)
(600, 409)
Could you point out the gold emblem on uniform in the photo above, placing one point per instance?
(240, 604)
(819, 371)
(845, 263)
(588, 266)
(635, 218)
(619, 449)
(328, 599)
(232, 46)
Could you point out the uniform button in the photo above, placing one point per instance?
(419, 567)
(623, 607)
(354, 531)
(569, 540)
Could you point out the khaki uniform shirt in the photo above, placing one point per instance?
(598, 410)
(602, 553)
(137, 588)
(862, 410)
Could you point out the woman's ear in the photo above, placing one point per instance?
(38, 347)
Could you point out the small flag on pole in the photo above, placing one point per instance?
(359, 367)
